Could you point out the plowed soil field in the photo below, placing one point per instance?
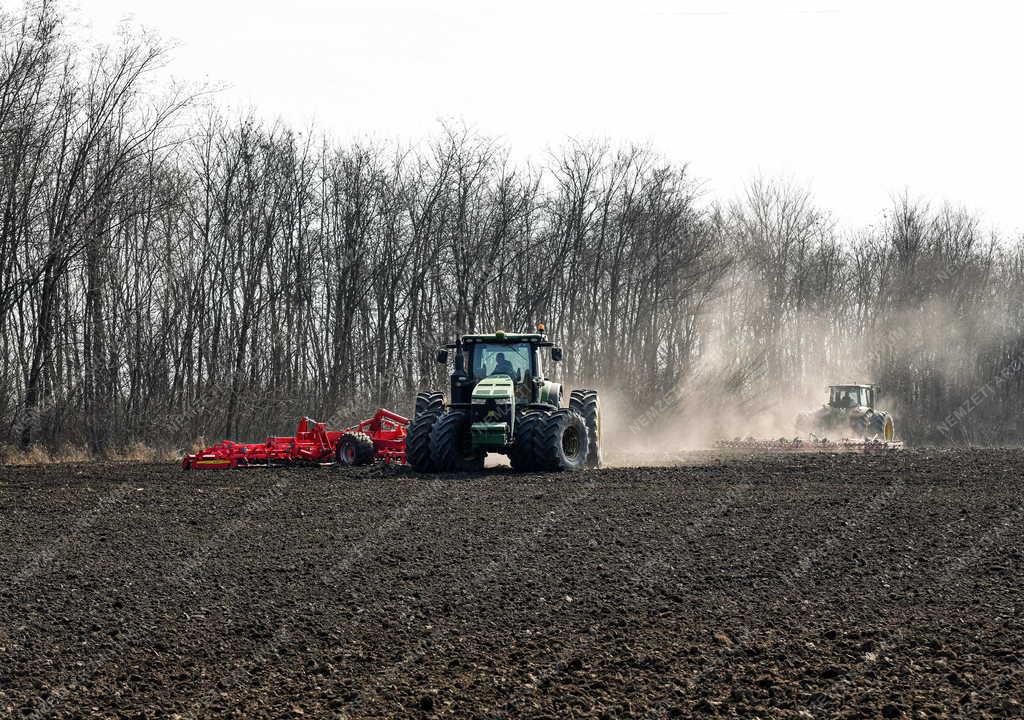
(805, 586)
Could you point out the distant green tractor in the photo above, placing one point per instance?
(500, 402)
(850, 408)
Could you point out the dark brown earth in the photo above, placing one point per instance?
(813, 586)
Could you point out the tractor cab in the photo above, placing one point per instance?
(851, 396)
(486, 361)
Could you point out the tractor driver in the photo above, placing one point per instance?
(503, 367)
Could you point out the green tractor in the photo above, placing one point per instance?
(500, 402)
(850, 408)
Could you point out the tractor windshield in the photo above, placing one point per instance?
(512, 359)
(849, 397)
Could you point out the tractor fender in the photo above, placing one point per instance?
(550, 393)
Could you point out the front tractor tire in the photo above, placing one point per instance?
(525, 449)
(355, 448)
(450, 448)
(588, 405)
(563, 441)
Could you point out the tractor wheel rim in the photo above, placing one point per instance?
(571, 442)
(350, 452)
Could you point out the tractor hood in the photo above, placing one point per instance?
(498, 388)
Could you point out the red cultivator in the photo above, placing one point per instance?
(382, 437)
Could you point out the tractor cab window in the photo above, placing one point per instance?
(849, 397)
(512, 359)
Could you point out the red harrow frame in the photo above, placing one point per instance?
(382, 437)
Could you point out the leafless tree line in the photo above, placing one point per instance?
(167, 272)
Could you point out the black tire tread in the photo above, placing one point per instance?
(549, 440)
(417, 441)
(523, 455)
(365, 450)
(429, 401)
(588, 404)
(444, 444)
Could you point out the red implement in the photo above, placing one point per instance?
(382, 436)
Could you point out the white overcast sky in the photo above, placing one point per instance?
(858, 101)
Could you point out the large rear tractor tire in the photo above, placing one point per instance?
(355, 448)
(883, 426)
(417, 441)
(429, 402)
(588, 405)
(527, 441)
(450, 447)
(564, 442)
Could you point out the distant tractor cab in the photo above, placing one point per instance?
(853, 407)
(500, 401)
(848, 396)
